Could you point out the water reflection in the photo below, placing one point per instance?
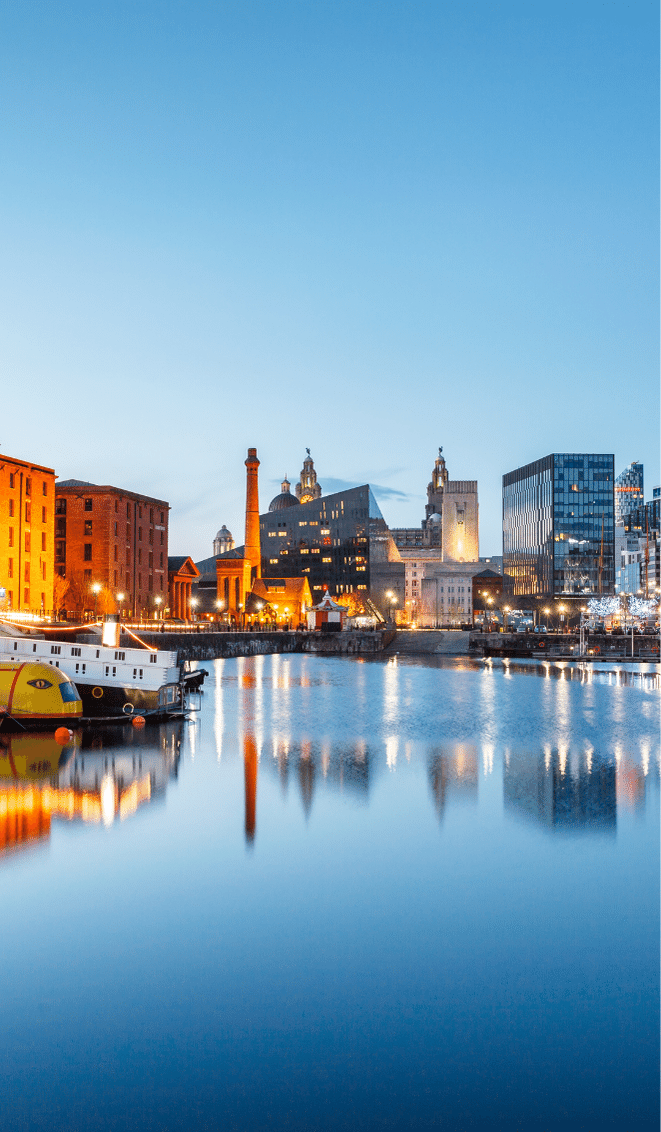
(453, 775)
(570, 796)
(99, 777)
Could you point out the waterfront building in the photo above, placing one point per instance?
(285, 498)
(182, 572)
(111, 547)
(558, 526)
(26, 536)
(340, 542)
(223, 542)
(628, 491)
(451, 523)
(307, 489)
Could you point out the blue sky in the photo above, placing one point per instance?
(367, 228)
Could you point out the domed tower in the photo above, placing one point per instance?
(223, 542)
(284, 499)
(308, 488)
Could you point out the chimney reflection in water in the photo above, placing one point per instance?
(250, 774)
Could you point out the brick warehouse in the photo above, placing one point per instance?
(26, 535)
(111, 546)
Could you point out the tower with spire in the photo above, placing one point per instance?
(307, 488)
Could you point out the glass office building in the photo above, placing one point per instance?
(339, 541)
(629, 492)
(558, 526)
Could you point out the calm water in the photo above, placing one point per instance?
(346, 895)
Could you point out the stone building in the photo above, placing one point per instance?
(223, 542)
(111, 545)
(27, 497)
(451, 523)
(307, 488)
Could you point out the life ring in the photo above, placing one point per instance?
(542, 644)
(97, 693)
(128, 709)
(597, 648)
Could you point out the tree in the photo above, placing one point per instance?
(60, 589)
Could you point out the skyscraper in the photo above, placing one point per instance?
(628, 491)
(558, 525)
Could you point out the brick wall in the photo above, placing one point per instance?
(115, 540)
(26, 535)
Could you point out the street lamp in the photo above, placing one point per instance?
(506, 610)
(120, 599)
(193, 603)
(561, 611)
(96, 589)
(157, 603)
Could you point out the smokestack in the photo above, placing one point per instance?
(253, 551)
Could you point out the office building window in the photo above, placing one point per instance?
(87, 506)
(87, 552)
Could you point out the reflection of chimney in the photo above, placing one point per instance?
(250, 771)
(253, 549)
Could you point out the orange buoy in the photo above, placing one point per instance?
(138, 721)
(63, 736)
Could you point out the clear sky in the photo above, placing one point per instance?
(361, 226)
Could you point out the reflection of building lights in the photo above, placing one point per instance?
(107, 793)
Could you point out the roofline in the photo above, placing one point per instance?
(106, 489)
(26, 464)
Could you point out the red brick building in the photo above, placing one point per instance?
(111, 546)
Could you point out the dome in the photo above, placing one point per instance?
(223, 533)
(435, 518)
(285, 499)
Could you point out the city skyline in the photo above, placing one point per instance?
(368, 230)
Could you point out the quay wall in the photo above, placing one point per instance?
(599, 646)
(209, 646)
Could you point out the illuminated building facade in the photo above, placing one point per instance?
(27, 498)
(629, 492)
(340, 542)
(111, 546)
(451, 523)
(182, 572)
(558, 526)
(307, 488)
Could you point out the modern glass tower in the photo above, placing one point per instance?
(629, 492)
(558, 526)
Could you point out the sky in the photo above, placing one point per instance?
(364, 227)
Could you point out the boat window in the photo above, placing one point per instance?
(56, 650)
(34, 648)
(141, 674)
(15, 646)
(120, 656)
(107, 669)
(76, 652)
(68, 692)
(153, 658)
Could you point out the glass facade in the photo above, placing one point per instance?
(559, 525)
(628, 491)
(334, 540)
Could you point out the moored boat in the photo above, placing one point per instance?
(114, 683)
(34, 694)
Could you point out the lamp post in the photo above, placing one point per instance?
(506, 610)
(547, 613)
(193, 603)
(96, 589)
(157, 603)
(561, 611)
(389, 596)
(219, 607)
(120, 599)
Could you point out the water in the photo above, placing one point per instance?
(346, 895)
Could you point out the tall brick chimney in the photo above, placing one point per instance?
(253, 551)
